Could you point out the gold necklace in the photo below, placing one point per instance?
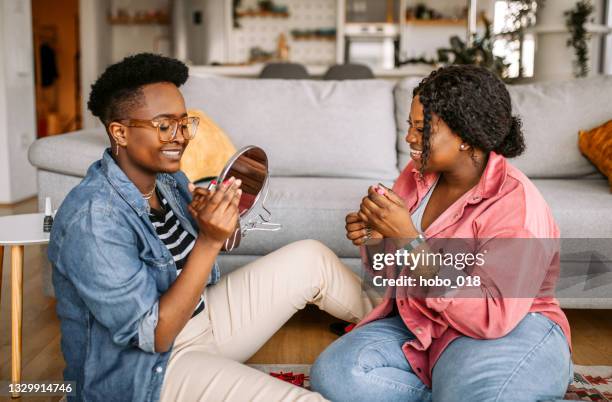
(149, 195)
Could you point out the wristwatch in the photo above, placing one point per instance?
(416, 242)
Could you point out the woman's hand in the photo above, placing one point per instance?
(357, 230)
(385, 212)
(216, 211)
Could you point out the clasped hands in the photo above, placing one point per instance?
(382, 214)
(216, 210)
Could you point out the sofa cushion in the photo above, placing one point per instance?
(596, 145)
(580, 207)
(208, 151)
(309, 208)
(552, 114)
(308, 128)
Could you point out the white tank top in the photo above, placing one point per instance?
(417, 215)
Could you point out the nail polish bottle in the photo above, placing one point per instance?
(48, 221)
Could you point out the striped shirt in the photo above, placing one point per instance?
(176, 238)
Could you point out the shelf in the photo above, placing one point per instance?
(127, 24)
(135, 21)
(313, 38)
(440, 22)
(260, 13)
(562, 29)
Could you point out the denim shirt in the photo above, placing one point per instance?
(109, 271)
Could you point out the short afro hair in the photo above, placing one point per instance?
(119, 88)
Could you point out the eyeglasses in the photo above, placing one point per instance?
(167, 127)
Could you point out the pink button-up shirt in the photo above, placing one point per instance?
(504, 204)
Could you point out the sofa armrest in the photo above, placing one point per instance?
(70, 153)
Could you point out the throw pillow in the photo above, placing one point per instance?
(596, 145)
(207, 153)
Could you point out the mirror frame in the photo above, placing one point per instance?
(230, 163)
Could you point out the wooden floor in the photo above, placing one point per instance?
(299, 341)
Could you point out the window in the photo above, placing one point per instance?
(508, 19)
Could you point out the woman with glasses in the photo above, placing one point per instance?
(145, 314)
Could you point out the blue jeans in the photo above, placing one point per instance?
(531, 363)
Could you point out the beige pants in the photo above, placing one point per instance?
(244, 310)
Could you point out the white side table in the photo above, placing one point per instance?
(18, 231)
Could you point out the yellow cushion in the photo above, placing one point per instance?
(208, 152)
(596, 145)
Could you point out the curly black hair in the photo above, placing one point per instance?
(475, 105)
(119, 88)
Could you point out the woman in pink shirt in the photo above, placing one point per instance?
(503, 339)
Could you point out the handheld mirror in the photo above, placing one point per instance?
(249, 164)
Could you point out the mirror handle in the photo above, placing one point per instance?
(228, 247)
(262, 226)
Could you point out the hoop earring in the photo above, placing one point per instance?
(117, 150)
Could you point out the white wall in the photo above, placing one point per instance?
(103, 43)
(424, 40)
(5, 182)
(95, 49)
(136, 38)
(608, 40)
(217, 23)
(197, 45)
(454, 7)
(179, 30)
(264, 32)
(553, 58)
(208, 41)
(17, 110)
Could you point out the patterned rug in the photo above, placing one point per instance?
(290, 369)
(591, 383)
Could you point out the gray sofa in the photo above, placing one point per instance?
(328, 141)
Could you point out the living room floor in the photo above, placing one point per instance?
(299, 341)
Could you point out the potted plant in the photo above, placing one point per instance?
(575, 20)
